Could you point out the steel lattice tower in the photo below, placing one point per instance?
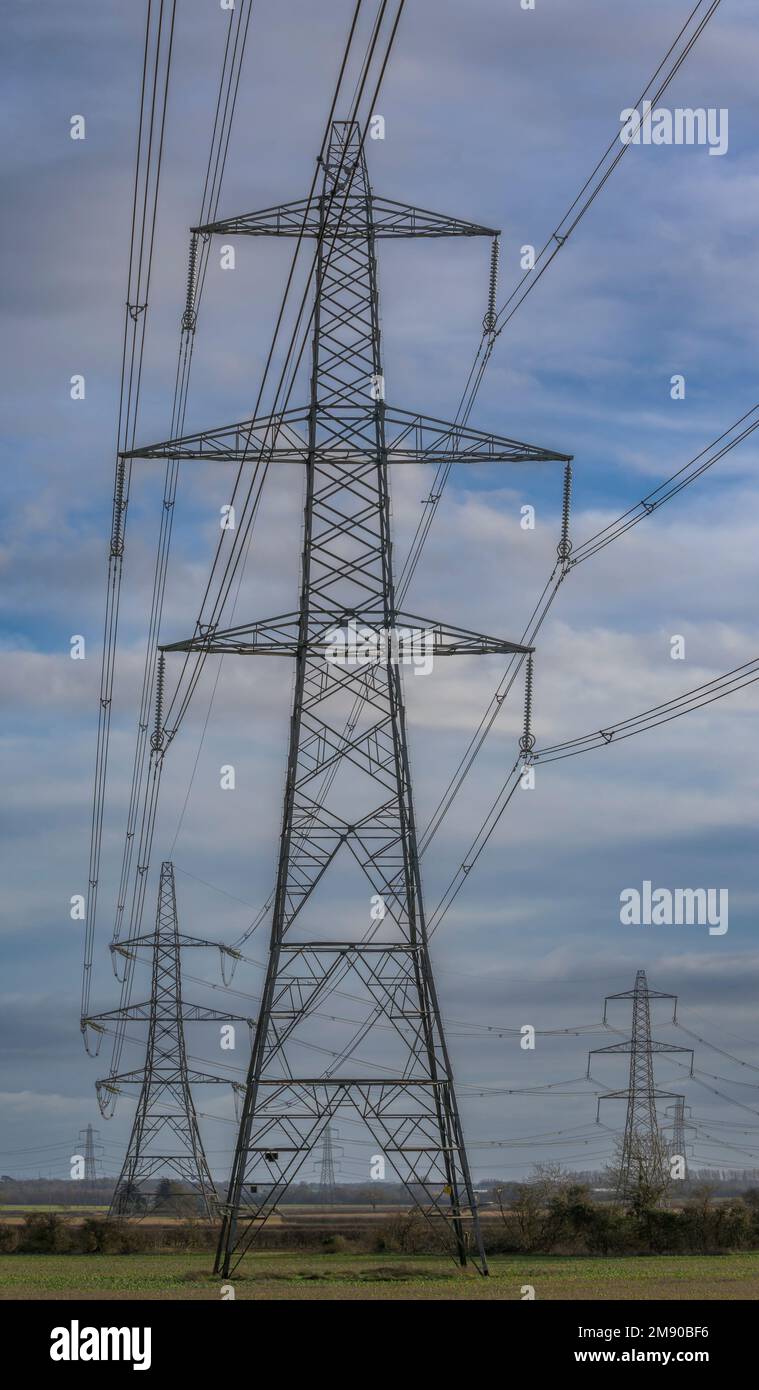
(90, 1161)
(642, 1138)
(327, 1182)
(165, 1137)
(348, 786)
(679, 1125)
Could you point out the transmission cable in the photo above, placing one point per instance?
(159, 36)
(150, 804)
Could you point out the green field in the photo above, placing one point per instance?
(296, 1276)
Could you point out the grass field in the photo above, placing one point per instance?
(326, 1277)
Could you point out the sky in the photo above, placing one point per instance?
(498, 115)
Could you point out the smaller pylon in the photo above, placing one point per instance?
(90, 1158)
(643, 1150)
(327, 1181)
(165, 1107)
(680, 1125)
(90, 1147)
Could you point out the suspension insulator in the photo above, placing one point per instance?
(564, 548)
(527, 741)
(491, 317)
(189, 316)
(156, 741)
(117, 532)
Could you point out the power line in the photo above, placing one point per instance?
(151, 127)
(242, 532)
(671, 487)
(605, 167)
(551, 588)
(692, 700)
(147, 774)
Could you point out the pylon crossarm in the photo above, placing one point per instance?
(389, 218)
(136, 1077)
(424, 439)
(132, 1013)
(650, 1046)
(272, 435)
(345, 439)
(146, 1011)
(125, 948)
(625, 1095)
(351, 641)
(346, 948)
(652, 994)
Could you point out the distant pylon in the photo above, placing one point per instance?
(679, 1125)
(90, 1160)
(642, 1147)
(327, 1181)
(165, 1107)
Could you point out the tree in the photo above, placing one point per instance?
(649, 1175)
(535, 1206)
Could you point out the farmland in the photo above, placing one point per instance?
(288, 1275)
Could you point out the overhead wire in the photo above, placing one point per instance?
(549, 593)
(149, 806)
(239, 21)
(603, 170)
(158, 41)
(183, 693)
(702, 696)
(713, 6)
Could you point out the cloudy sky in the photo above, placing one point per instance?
(499, 115)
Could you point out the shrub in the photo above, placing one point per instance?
(44, 1234)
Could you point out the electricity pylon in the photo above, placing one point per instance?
(643, 1151)
(680, 1125)
(327, 1180)
(165, 1107)
(348, 803)
(90, 1159)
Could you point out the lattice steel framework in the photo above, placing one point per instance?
(165, 1107)
(348, 786)
(680, 1126)
(90, 1155)
(642, 1143)
(327, 1180)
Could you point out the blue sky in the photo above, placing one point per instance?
(497, 115)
